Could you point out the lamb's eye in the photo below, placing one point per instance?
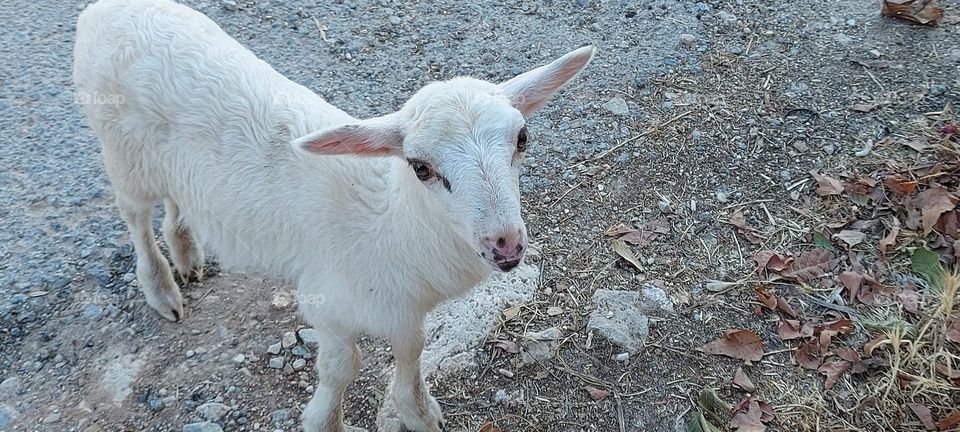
(422, 170)
(522, 140)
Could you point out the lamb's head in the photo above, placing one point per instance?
(464, 140)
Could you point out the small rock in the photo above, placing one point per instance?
(281, 300)
(938, 89)
(665, 207)
(539, 346)
(92, 312)
(722, 194)
(229, 5)
(851, 22)
(276, 362)
(505, 372)
(688, 40)
(274, 349)
(190, 353)
(705, 217)
(394, 20)
(202, 427)
(6, 417)
(288, 340)
(554, 311)
(301, 351)
(843, 39)
(52, 418)
(727, 19)
(212, 411)
(9, 387)
(617, 106)
(501, 396)
(239, 359)
(298, 364)
(309, 336)
(279, 415)
(622, 357)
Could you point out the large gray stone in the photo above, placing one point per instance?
(621, 316)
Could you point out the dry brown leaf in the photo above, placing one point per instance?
(789, 329)
(808, 354)
(852, 282)
(784, 306)
(833, 370)
(909, 299)
(927, 12)
(953, 327)
(951, 374)
(768, 259)
(768, 300)
(933, 202)
(741, 344)
(923, 413)
(489, 427)
(508, 346)
(810, 265)
(850, 237)
(874, 344)
(827, 185)
(900, 185)
(597, 394)
(621, 248)
(891, 238)
(750, 414)
(740, 379)
(738, 220)
(842, 326)
(949, 422)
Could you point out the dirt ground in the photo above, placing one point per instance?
(740, 101)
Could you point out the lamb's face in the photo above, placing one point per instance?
(464, 140)
(465, 144)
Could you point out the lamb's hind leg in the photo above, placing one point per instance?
(153, 271)
(186, 254)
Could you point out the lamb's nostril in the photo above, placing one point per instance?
(501, 242)
(519, 248)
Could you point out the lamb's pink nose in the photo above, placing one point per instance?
(506, 248)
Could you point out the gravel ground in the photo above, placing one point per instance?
(79, 349)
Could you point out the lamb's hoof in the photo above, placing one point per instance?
(168, 304)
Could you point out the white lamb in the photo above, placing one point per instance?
(376, 220)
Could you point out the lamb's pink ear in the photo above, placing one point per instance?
(531, 90)
(379, 136)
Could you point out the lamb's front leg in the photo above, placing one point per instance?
(338, 361)
(417, 409)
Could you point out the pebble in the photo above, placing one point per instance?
(665, 207)
(938, 89)
(276, 362)
(239, 359)
(505, 372)
(309, 336)
(190, 353)
(229, 5)
(554, 311)
(274, 349)
(301, 351)
(10, 387)
(705, 217)
(288, 340)
(617, 106)
(299, 364)
(202, 427)
(92, 312)
(52, 418)
(688, 40)
(395, 20)
(280, 415)
(212, 411)
(622, 357)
